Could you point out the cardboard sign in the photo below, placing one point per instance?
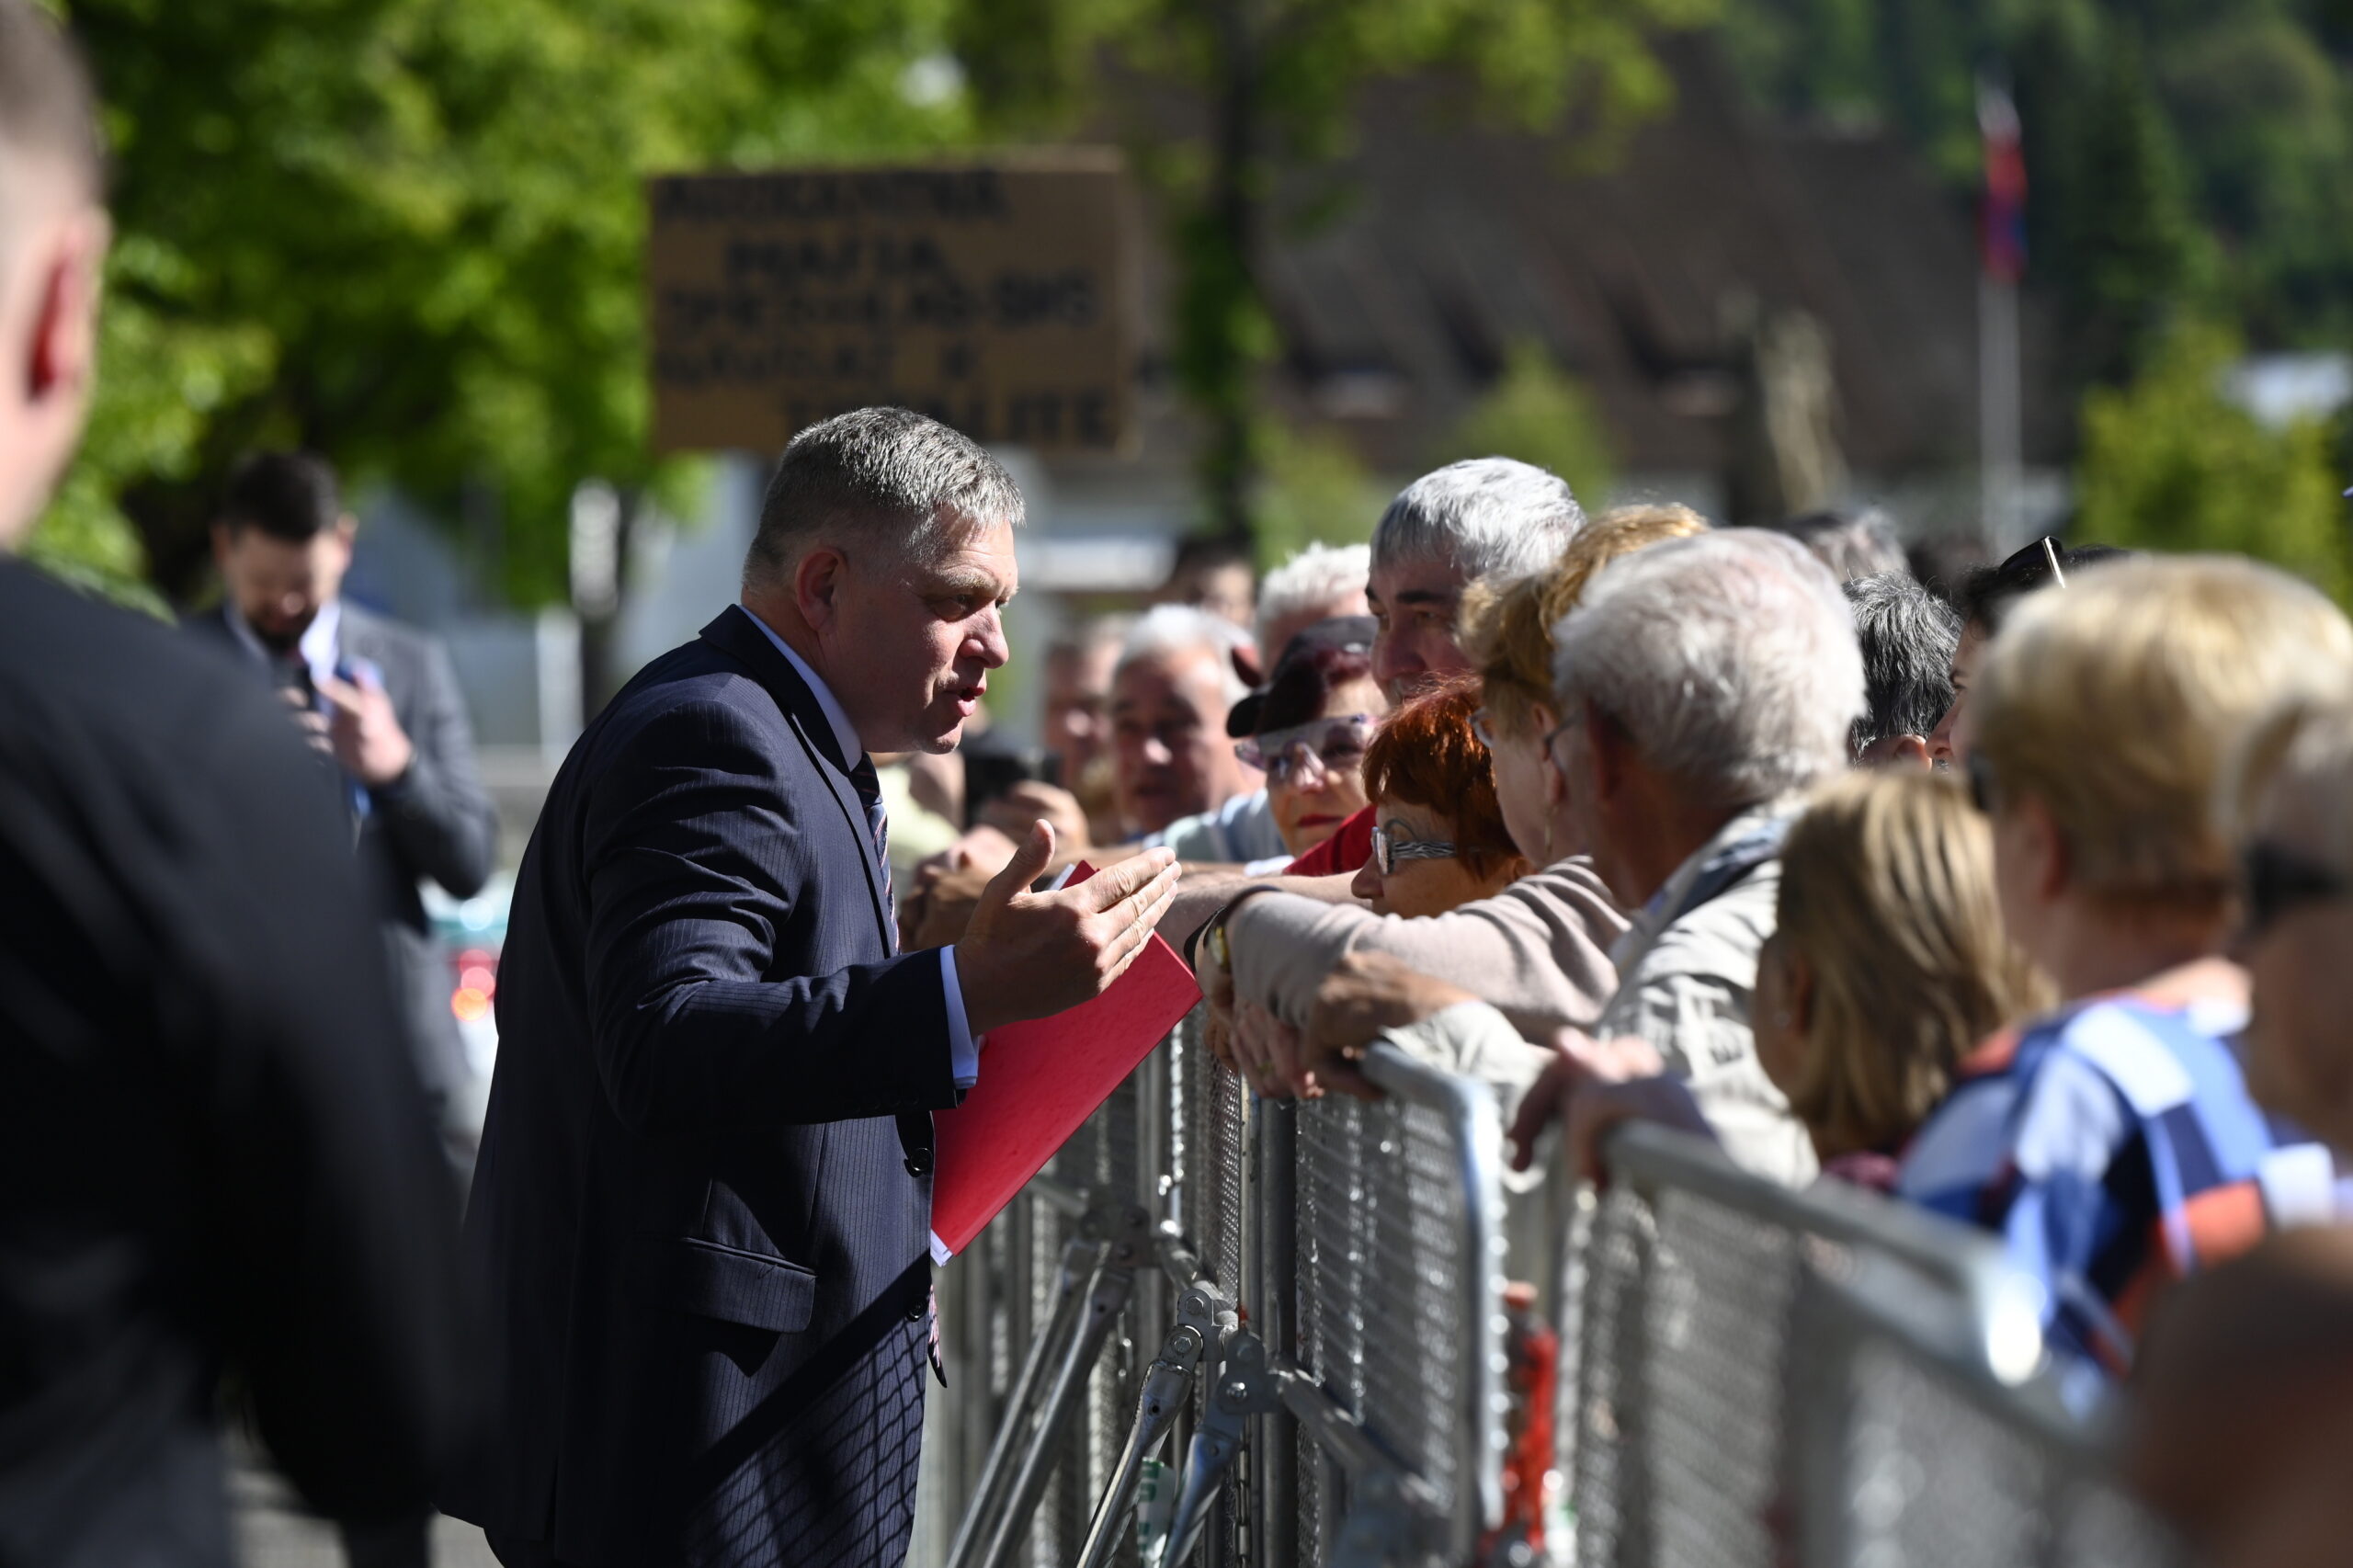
(998, 297)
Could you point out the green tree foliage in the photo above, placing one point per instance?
(2169, 464)
(408, 233)
(2197, 151)
(1313, 490)
(2133, 251)
(1540, 413)
(1218, 97)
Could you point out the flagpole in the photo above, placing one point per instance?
(2001, 263)
(1999, 415)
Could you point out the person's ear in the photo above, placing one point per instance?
(1798, 976)
(1611, 750)
(1907, 754)
(224, 544)
(64, 344)
(2046, 848)
(817, 585)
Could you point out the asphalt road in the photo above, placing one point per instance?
(272, 1534)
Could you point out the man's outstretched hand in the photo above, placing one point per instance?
(1029, 955)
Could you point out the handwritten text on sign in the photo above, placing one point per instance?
(998, 298)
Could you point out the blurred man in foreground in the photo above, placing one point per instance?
(380, 702)
(213, 1152)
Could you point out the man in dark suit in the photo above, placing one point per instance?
(704, 1190)
(378, 699)
(213, 1152)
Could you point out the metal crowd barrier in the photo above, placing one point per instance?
(1820, 1377)
(1245, 1333)
(1908, 1452)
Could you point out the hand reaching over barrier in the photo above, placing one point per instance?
(1592, 1086)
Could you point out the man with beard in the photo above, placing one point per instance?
(377, 700)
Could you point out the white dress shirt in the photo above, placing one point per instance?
(962, 1053)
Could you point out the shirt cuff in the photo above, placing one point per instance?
(964, 1055)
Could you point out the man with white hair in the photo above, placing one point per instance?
(1486, 517)
(1175, 775)
(1323, 581)
(1483, 517)
(1707, 683)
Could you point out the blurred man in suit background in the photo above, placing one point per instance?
(215, 1163)
(377, 699)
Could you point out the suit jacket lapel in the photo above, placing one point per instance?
(733, 634)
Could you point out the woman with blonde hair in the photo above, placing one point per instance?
(1507, 633)
(1888, 962)
(2112, 1142)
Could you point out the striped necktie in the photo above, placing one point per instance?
(878, 823)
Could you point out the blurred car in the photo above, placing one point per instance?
(471, 932)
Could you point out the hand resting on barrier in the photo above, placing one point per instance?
(1591, 1087)
(1365, 995)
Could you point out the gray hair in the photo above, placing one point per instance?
(888, 475)
(1907, 636)
(1095, 631)
(1853, 543)
(1491, 516)
(1316, 575)
(1728, 658)
(1184, 628)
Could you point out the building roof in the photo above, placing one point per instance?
(1454, 241)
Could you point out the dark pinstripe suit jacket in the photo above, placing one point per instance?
(702, 1200)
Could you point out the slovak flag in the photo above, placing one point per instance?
(2001, 213)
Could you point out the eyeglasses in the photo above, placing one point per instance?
(1311, 750)
(2274, 880)
(1557, 730)
(1391, 844)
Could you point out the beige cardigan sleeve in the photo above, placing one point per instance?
(1538, 951)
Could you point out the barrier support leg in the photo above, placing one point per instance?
(1165, 1386)
(1081, 1258)
(1105, 1301)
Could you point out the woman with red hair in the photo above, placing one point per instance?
(1438, 839)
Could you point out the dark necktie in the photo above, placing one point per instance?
(878, 823)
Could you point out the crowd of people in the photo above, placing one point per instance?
(2024, 899)
(2020, 898)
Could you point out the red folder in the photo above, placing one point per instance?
(1038, 1081)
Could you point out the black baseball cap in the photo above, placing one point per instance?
(1349, 633)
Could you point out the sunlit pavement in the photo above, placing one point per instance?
(271, 1533)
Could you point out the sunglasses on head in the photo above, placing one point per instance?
(1319, 746)
(1392, 845)
(2043, 552)
(2275, 881)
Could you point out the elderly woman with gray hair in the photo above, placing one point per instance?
(1701, 687)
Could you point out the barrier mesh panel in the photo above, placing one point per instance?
(1381, 1220)
(1678, 1451)
(1216, 1142)
(1933, 1477)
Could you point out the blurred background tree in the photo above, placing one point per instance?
(2169, 464)
(408, 233)
(1225, 103)
(1540, 413)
